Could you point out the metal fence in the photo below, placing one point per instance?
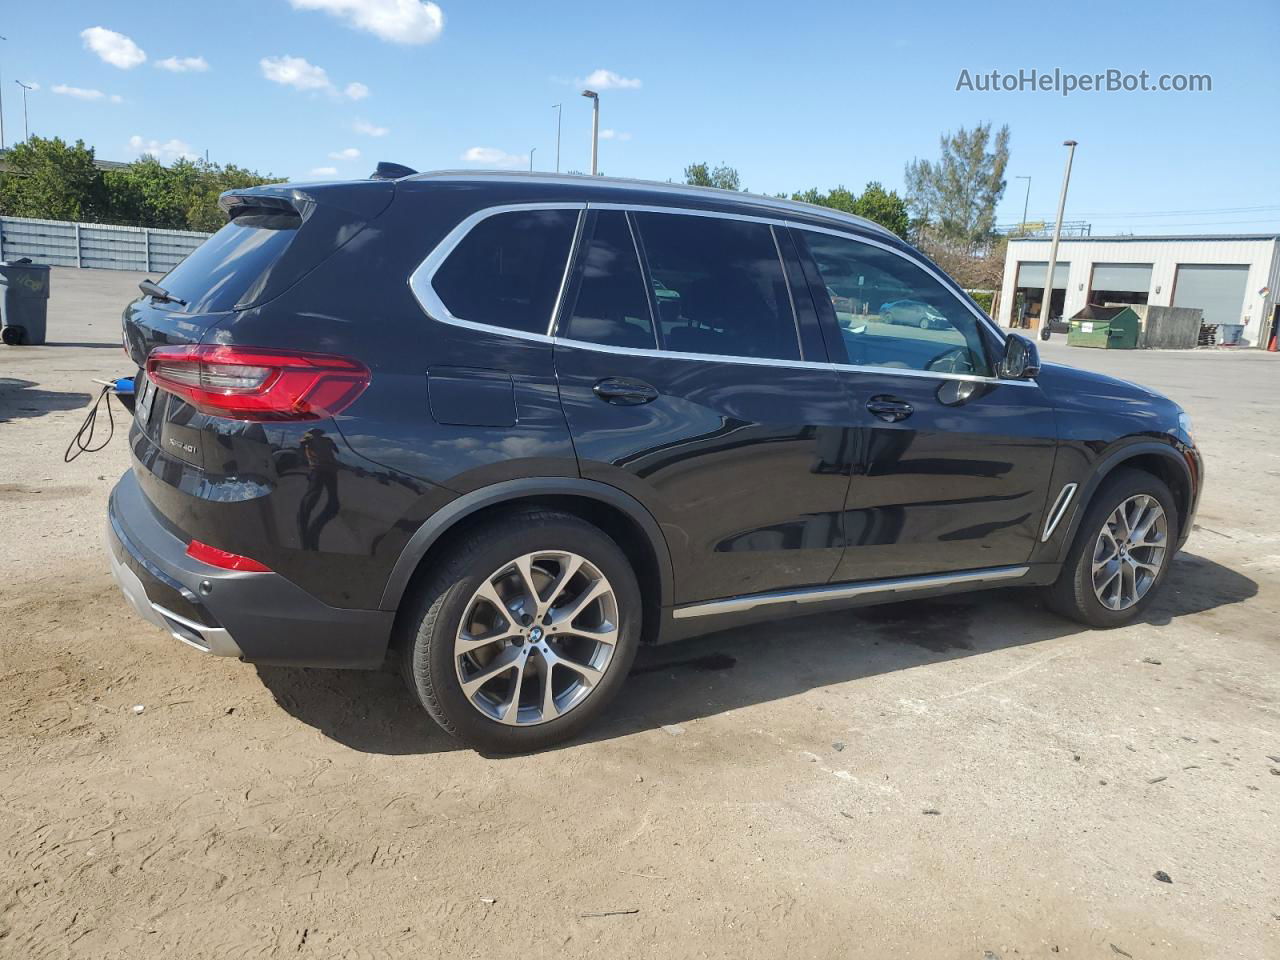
(64, 244)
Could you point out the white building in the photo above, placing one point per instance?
(1233, 279)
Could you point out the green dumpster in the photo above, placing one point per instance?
(1108, 328)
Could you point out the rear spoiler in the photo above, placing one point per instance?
(355, 199)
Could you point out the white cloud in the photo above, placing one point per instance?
(369, 129)
(80, 93)
(114, 48)
(493, 157)
(608, 80)
(296, 72)
(183, 64)
(116, 98)
(609, 134)
(399, 21)
(323, 171)
(351, 153)
(173, 149)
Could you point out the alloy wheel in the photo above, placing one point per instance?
(536, 638)
(1129, 552)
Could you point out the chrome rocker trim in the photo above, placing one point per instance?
(845, 591)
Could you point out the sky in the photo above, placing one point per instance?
(811, 93)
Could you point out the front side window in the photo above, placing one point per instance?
(612, 307)
(891, 313)
(719, 286)
(507, 271)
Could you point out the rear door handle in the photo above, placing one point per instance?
(624, 392)
(890, 409)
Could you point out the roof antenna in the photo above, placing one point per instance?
(391, 171)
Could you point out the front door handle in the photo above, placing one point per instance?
(624, 392)
(890, 409)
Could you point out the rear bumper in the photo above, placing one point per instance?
(258, 617)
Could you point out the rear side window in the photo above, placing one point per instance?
(719, 286)
(612, 307)
(507, 270)
(218, 274)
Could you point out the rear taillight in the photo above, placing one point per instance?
(252, 383)
(224, 559)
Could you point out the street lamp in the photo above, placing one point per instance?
(595, 127)
(1025, 202)
(1057, 234)
(532, 151)
(557, 107)
(26, 130)
(2, 110)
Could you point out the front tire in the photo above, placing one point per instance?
(1121, 552)
(525, 633)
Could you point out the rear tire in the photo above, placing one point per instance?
(502, 606)
(1131, 564)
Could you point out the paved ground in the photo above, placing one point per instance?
(960, 778)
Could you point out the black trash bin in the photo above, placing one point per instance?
(24, 301)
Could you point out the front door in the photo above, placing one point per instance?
(687, 381)
(951, 464)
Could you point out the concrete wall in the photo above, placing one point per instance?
(63, 244)
(1262, 256)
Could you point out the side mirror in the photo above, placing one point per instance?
(1021, 359)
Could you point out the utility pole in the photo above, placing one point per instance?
(2, 107)
(559, 109)
(26, 129)
(595, 128)
(532, 150)
(1024, 203)
(1057, 235)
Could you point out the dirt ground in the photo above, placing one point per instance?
(970, 777)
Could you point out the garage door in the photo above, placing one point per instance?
(1123, 277)
(1217, 289)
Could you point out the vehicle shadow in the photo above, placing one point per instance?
(372, 712)
(20, 399)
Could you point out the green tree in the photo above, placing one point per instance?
(50, 179)
(724, 176)
(955, 197)
(875, 203)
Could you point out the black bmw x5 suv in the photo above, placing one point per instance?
(507, 428)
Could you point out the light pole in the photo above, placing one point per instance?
(532, 151)
(26, 130)
(558, 108)
(595, 128)
(1057, 234)
(2, 109)
(1025, 202)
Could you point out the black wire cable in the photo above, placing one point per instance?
(82, 442)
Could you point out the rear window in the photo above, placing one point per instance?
(507, 271)
(220, 273)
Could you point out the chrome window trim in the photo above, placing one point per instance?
(1058, 511)
(429, 300)
(845, 591)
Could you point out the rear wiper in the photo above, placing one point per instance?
(159, 293)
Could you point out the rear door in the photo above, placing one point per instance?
(952, 464)
(690, 380)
